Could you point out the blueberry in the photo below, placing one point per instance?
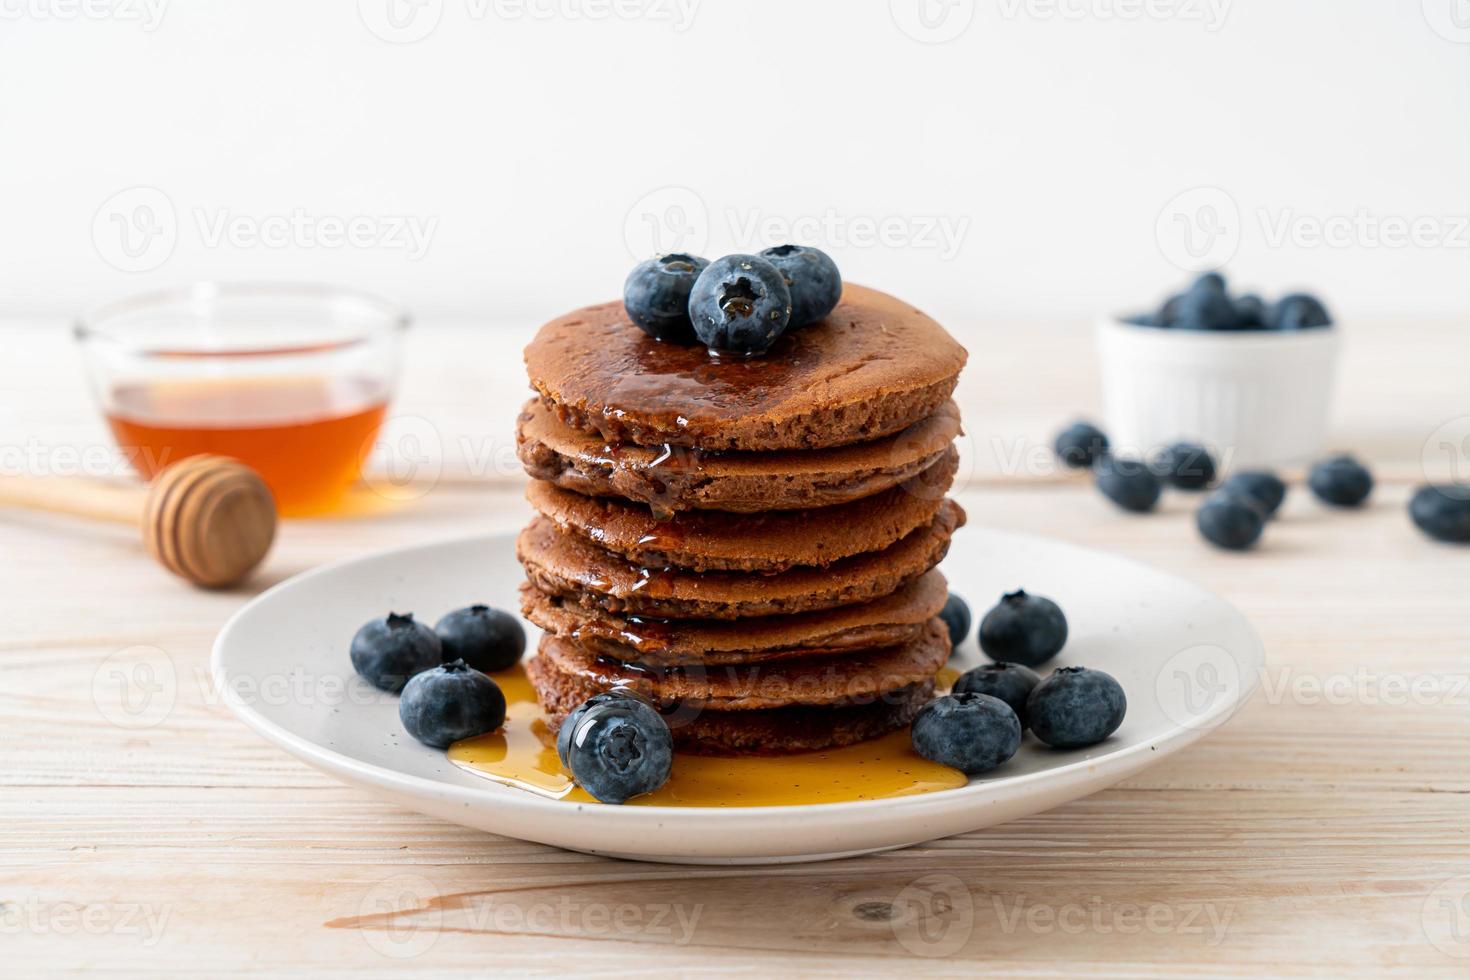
(1263, 488)
(450, 702)
(1230, 521)
(620, 749)
(1023, 629)
(1080, 445)
(1012, 683)
(1250, 312)
(1186, 465)
(656, 295)
(1127, 482)
(1205, 309)
(1168, 315)
(1212, 281)
(1341, 481)
(1076, 707)
(1443, 512)
(740, 303)
(569, 723)
(973, 733)
(956, 615)
(486, 639)
(388, 651)
(813, 279)
(1298, 311)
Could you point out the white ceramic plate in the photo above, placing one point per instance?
(1185, 658)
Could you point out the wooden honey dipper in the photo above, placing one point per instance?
(208, 519)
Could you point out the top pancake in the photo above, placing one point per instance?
(872, 367)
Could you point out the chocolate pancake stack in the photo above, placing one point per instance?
(750, 541)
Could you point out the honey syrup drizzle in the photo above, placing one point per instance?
(523, 754)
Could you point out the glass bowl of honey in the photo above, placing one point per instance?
(293, 380)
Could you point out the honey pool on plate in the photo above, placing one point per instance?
(523, 754)
(307, 437)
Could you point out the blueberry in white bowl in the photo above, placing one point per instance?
(741, 304)
(1076, 707)
(656, 295)
(389, 651)
(451, 702)
(485, 638)
(1024, 629)
(619, 749)
(973, 733)
(812, 277)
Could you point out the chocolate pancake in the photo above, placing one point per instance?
(856, 678)
(894, 619)
(676, 478)
(570, 567)
(766, 732)
(874, 366)
(771, 542)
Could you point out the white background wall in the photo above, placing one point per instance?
(535, 145)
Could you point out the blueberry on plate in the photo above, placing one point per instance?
(1186, 465)
(486, 639)
(1340, 481)
(450, 702)
(740, 303)
(1080, 445)
(619, 749)
(388, 651)
(1299, 311)
(813, 279)
(973, 733)
(1127, 482)
(1261, 487)
(1205, 309)
(956, 616)
(1023, 629)
(656, 295)
(1230, 521)
(569, 723)
(1012, 683)
(1442, 512)
(1076, 707)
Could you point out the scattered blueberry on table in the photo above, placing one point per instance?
(1012, 683)
(656, 295)
(1080, 445)
(1075, 707)
(619, 749)
(1023, 629)
(956, 616)
(973, 733)
(487, 639)
(812, 278)
(388, 652)
(1128, 482)
(451, 702)
(1341, 481)
(1442, 512)
(740, 303)
(1186, 465)
(1263, 488)
(1229, 521)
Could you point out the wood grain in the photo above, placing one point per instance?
(1325, 831)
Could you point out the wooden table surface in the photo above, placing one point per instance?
(1324, 831)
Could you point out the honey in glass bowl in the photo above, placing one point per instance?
(293, 381)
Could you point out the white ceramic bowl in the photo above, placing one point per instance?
(1257, 398)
